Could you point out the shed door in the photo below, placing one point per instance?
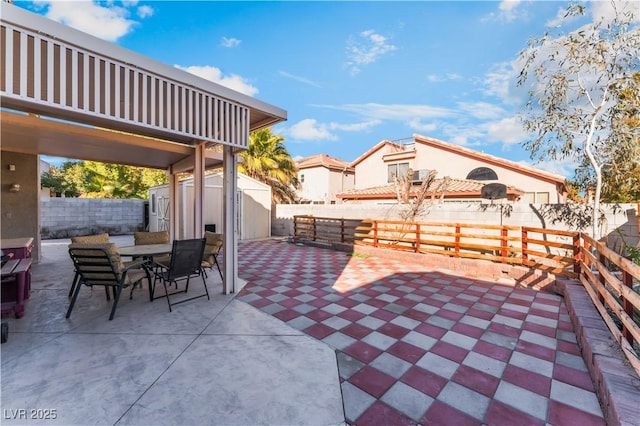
(163, 213)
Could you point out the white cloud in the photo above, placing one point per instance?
(310, 129)
(230, 42)
(508, 131)
(482, 110)
(565, 167)
(366, 49)
(508, 11)
(144, 11)
(401, 112)
(462, 134)
(500, 82)
(214, 74)
(355, 127)
(419, 126)
(298, 78)
(108, 22)
(559, 18)
(606, 10)
(433, 78)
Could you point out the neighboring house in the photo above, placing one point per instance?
(254, 206)
(469, 171)
(321, 177)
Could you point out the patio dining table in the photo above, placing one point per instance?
(146, 250)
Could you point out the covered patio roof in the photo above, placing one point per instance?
(68, 94)
(112, 104)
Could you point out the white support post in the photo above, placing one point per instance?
(198, 190)
(230, 226)
(174, 206)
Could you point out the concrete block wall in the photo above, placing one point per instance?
(66, 217)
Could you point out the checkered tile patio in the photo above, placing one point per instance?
(419, 346)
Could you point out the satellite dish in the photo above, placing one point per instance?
(482, 173)
(493, 191)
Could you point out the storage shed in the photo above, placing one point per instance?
(254, 206)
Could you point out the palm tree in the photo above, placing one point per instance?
(268, 161)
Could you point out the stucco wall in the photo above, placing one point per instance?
(19, 210)
(65, 217)
(372, 171)
(316, 184)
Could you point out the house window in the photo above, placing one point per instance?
(482, 173)
(400, 170)
(301, 178)
(536, 197)
(153, 203)
(542, 197)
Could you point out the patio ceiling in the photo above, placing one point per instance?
(31, 134)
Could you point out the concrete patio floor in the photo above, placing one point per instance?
(316, 337)
(218, 361)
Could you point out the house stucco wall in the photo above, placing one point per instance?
(316, 185)
(20, 210)
(372, 170)
(321, 184)
(458, 166)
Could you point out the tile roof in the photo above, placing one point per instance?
(324, 160)
(457, 188)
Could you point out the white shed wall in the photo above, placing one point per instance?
(254, 207)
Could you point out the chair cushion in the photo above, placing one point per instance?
(213, 244)
(144, 238)
(91, 239)
(110, 248)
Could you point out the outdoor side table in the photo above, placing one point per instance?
(14, 281)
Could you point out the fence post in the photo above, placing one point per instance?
(504, 233)
(576, 254)
(375, 233)
(456, 249)
(417, 245)
(523, 243)
(342, 230)
(602, 259)
(314, 228)
(627, 279)
(295, 228)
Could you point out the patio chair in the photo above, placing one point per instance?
(143, 238)
(156, 237)
(88, 239)
(186, 262)
(211, 251)
(100, 265)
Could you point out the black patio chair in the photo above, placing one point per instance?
(186, 263)
(100, 265)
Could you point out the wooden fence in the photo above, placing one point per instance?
(607, 276)
(547, 249)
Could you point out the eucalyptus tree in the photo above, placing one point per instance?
(575, 81)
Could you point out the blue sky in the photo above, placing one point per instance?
(349, 74)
